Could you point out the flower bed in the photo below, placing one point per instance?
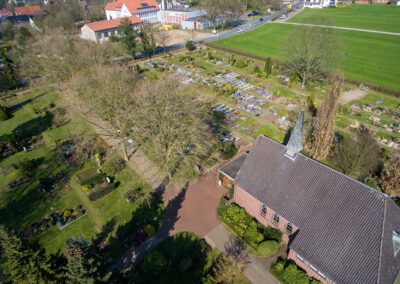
(101, 191)
(69, 216)
(133, 195)
(255, 234)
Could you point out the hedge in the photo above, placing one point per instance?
(287, 272)
(101, 192)
(91, 179)
(267, 248)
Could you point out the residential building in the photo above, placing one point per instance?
(200, 23)
(5, 13)
(146, 10)
(177, 14)
(27, 11)
(366, 2)
(319, 3)
(338, 230)
(102, 30)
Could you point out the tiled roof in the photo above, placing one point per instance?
(29, 10)
(343, 224)
(110, 24)
(232, 168)
(5, 12)
(133, 5)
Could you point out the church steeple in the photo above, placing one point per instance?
(295, 144)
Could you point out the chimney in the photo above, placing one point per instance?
(295, 144)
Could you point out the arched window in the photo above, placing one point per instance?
(289, 228)
(263, 211)
(275, 219)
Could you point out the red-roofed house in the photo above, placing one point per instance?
(5, 12)
(147, 10)
(102, 30)
(27, 11)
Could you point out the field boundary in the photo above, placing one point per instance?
(262, 58)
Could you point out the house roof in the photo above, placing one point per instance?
(110, 24)
(345, 227)
(29, 10)
(232, 168)
(133, 6)
(5, 12)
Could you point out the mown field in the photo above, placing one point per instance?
(369, 17)
(369, 57)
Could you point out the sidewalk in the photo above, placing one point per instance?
(255, 271)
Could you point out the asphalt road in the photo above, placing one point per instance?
(235, 31)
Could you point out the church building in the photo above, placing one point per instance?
(338, 230)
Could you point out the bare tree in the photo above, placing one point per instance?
(162, 38)
(313, 51)
(173, 125)
(323, 131)
(214, 8)
(227, 270)
(390, 177)
(357, 155)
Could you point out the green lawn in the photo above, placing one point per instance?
(27, 204)
(369, 17)
(368, 57)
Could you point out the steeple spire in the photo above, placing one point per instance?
(295, 144)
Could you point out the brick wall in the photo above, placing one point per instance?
(306, 267)
(253, 207)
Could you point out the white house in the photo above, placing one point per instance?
(319, 3)
(102, 30)
(177, 14)
(147, 10)
(200, 23)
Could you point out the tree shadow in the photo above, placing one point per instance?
(235, 248)
(33, 127)
(131, 232)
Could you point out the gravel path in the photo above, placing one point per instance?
(343, 28)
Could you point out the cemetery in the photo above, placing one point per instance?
(40, 162)
(254, 103)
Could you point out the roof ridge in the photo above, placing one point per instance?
(330, 168)
(381, 247)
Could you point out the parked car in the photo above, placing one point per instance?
(240, 30)
(282, 16)
(261, 19)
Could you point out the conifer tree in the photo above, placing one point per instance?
(8, 80)
(81, 267)
(268, 66)
(20, 263)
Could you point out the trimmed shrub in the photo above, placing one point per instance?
(67, 213)
(113, 166)
(241, 64)
(267, 248)
(149, 230)
(257, 69)
(101, 192)
(190, 45)
(272, 234)
(287, 272)
(229, 151)
(96, 178)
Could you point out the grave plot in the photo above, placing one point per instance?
(69, 216)
(232, 80)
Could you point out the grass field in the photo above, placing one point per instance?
(368, 57)
(369, 17)
(27, 204)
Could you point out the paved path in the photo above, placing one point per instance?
(255, 270)
(344, 28)
(187, 208)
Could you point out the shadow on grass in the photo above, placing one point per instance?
(33, 127)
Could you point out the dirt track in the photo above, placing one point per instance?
(180, 36)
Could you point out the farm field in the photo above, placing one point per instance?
(379, 65)
(369, 17)
(43, 195)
